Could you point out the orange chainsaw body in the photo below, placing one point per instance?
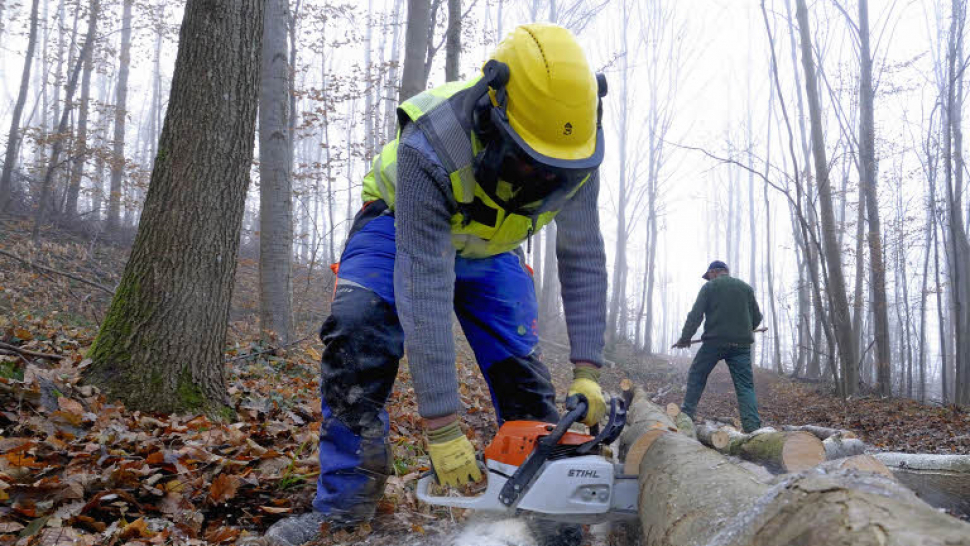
(516, 440)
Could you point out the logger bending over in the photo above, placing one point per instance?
(730, 313)
(478, 167)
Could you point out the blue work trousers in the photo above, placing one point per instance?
(738, 359)
(496, 305)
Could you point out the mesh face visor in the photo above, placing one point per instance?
(535, 176)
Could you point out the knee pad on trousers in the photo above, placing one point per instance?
(363, 344)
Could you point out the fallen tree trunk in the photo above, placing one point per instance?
(823, 433)
(779, 451)
(692, 495)
(645, 420)
(862, 463)
(838, 447)
(683, 422)
(941, 480)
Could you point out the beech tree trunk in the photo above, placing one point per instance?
(275, 192)
(959, 242)
(14, 137)
(615, 327)
(835, 281)
(941, 480)
(453, 42)
(867, 175)
(413, 76)
(45, 200)
(822, 433)
(121, 113)
(691, 495)
(391, 98)
(81, 141)
(160, 347)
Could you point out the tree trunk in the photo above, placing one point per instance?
(692, 495)
(549, 300)
(618, 292)
(835, 282)
(822, 433)
(390, 101)
(370, 86)
(81, 142)
(121, 113)
(941, 480)
(155, 124)
(959, 243)
(14, 137)
(645, 422)
(923, 300)
(941, 319)
(413, 77)
(275, 192)
(453, 42)
(160, 347)
(769, 267)
(780, 451)
(839, 447)
(867, 174)
(45, 204)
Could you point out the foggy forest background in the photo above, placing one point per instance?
(815, 146)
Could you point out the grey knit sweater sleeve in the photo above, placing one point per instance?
(424, 274)
(582, 273)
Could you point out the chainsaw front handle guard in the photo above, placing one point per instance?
(486, 501)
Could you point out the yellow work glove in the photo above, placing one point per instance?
(586, 382)
(452, 456)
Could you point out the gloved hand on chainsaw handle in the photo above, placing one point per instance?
(586, 382)
(452, 455)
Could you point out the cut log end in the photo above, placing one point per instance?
(865, 463)
(673, 410)
(631, 465)
(801, 451)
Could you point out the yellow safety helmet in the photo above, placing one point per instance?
(552, 93)
(540, 120)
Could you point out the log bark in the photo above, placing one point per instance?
(645, 421)
(862, 463)
(837, 447)
(941, 480)
(779, 451)
(642, 417)
(692, 495)
(685, 425)
(822, 433)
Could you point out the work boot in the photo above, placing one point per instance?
(298, 530)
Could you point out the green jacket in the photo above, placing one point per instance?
(729, 310)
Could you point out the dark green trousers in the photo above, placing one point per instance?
(738, 359)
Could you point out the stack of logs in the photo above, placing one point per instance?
(800, 485)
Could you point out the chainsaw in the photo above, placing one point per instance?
(549, 472)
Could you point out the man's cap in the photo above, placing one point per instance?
(716, 264)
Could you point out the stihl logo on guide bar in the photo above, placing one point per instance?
(583, 473)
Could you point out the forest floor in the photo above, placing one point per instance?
(77, 469)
